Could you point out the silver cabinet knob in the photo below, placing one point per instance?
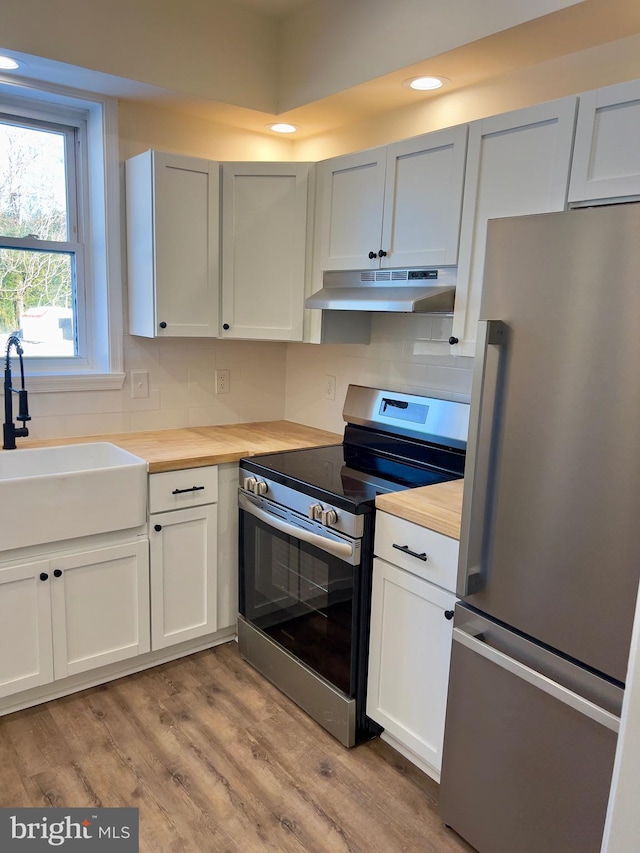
(328, 516)
(314, 512)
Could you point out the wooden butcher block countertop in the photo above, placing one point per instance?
(437, 507)
(172, 449)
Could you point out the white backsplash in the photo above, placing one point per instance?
(181, 390)
(408, 352)
(268, 381)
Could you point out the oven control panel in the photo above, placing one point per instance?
(340, 520)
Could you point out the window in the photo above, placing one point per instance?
(41, 259)
(60, 284)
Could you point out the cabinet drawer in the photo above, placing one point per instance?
(441, 552)
(187, 487)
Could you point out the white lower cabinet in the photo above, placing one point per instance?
(409, 651)
(68, 614)
(183, 555)
(25, 627)
(99, 607)
(183, 575)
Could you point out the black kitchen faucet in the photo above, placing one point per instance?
(10, 431)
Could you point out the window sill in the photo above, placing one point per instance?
(41, 384)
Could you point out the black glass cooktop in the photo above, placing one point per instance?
(345, 473)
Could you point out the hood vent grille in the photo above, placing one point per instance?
(384, 275)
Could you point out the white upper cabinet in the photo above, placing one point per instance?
(423, 199)
(172, 245)
(517, 163)
(606, 158)
(264, 234)
(392, 207)
(349, 212)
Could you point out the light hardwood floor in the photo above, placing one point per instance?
(217, 760)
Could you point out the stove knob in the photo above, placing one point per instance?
(314, 512)
(260, 488)
(328, 516)
(249, 484)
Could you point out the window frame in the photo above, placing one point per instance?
(99, 364)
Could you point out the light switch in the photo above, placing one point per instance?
(139, 383)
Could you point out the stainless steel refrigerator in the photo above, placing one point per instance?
(550, 547)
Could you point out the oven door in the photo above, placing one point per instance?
(297, 582)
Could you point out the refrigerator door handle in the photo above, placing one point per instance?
(536, 679)
(483, 436)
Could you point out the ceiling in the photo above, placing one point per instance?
(575, 28)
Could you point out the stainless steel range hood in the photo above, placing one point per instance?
(425, 291)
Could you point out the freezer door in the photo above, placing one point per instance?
(551, 504)
(527, 761)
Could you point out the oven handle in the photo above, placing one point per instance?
(343, 550)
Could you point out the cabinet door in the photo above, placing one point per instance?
(183, 575)
(264, 232)
(349, 211)
(26, 658)
(423, 199)
(100, 607)
(606, 156)
(409, 650)
(517, 164)
(172, 245)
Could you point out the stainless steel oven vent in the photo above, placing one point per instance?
(426, 291)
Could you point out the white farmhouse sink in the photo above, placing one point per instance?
(52, 493)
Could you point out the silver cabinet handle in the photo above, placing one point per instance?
(536, 679)
(337, 547)
(476, 502)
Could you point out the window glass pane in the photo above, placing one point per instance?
(33, 196)
(37, 298)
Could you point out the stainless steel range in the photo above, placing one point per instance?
(306, 546)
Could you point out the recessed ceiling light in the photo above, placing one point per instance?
(425, 84)
(7, 63)
(282, 127)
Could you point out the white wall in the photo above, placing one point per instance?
(181, 390)
(578, 72)
(407, 353)
(332, 45)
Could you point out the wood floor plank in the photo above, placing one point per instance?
(270, 801)
(37, 739)
(153, 763)
(218, 761)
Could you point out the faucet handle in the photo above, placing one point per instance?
(23, 407)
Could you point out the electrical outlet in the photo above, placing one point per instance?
(330, 388)
(223, 382)
(139, 383)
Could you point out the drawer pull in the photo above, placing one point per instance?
(406, 550)
(192, 489)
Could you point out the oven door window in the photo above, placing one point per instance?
(301, 597)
